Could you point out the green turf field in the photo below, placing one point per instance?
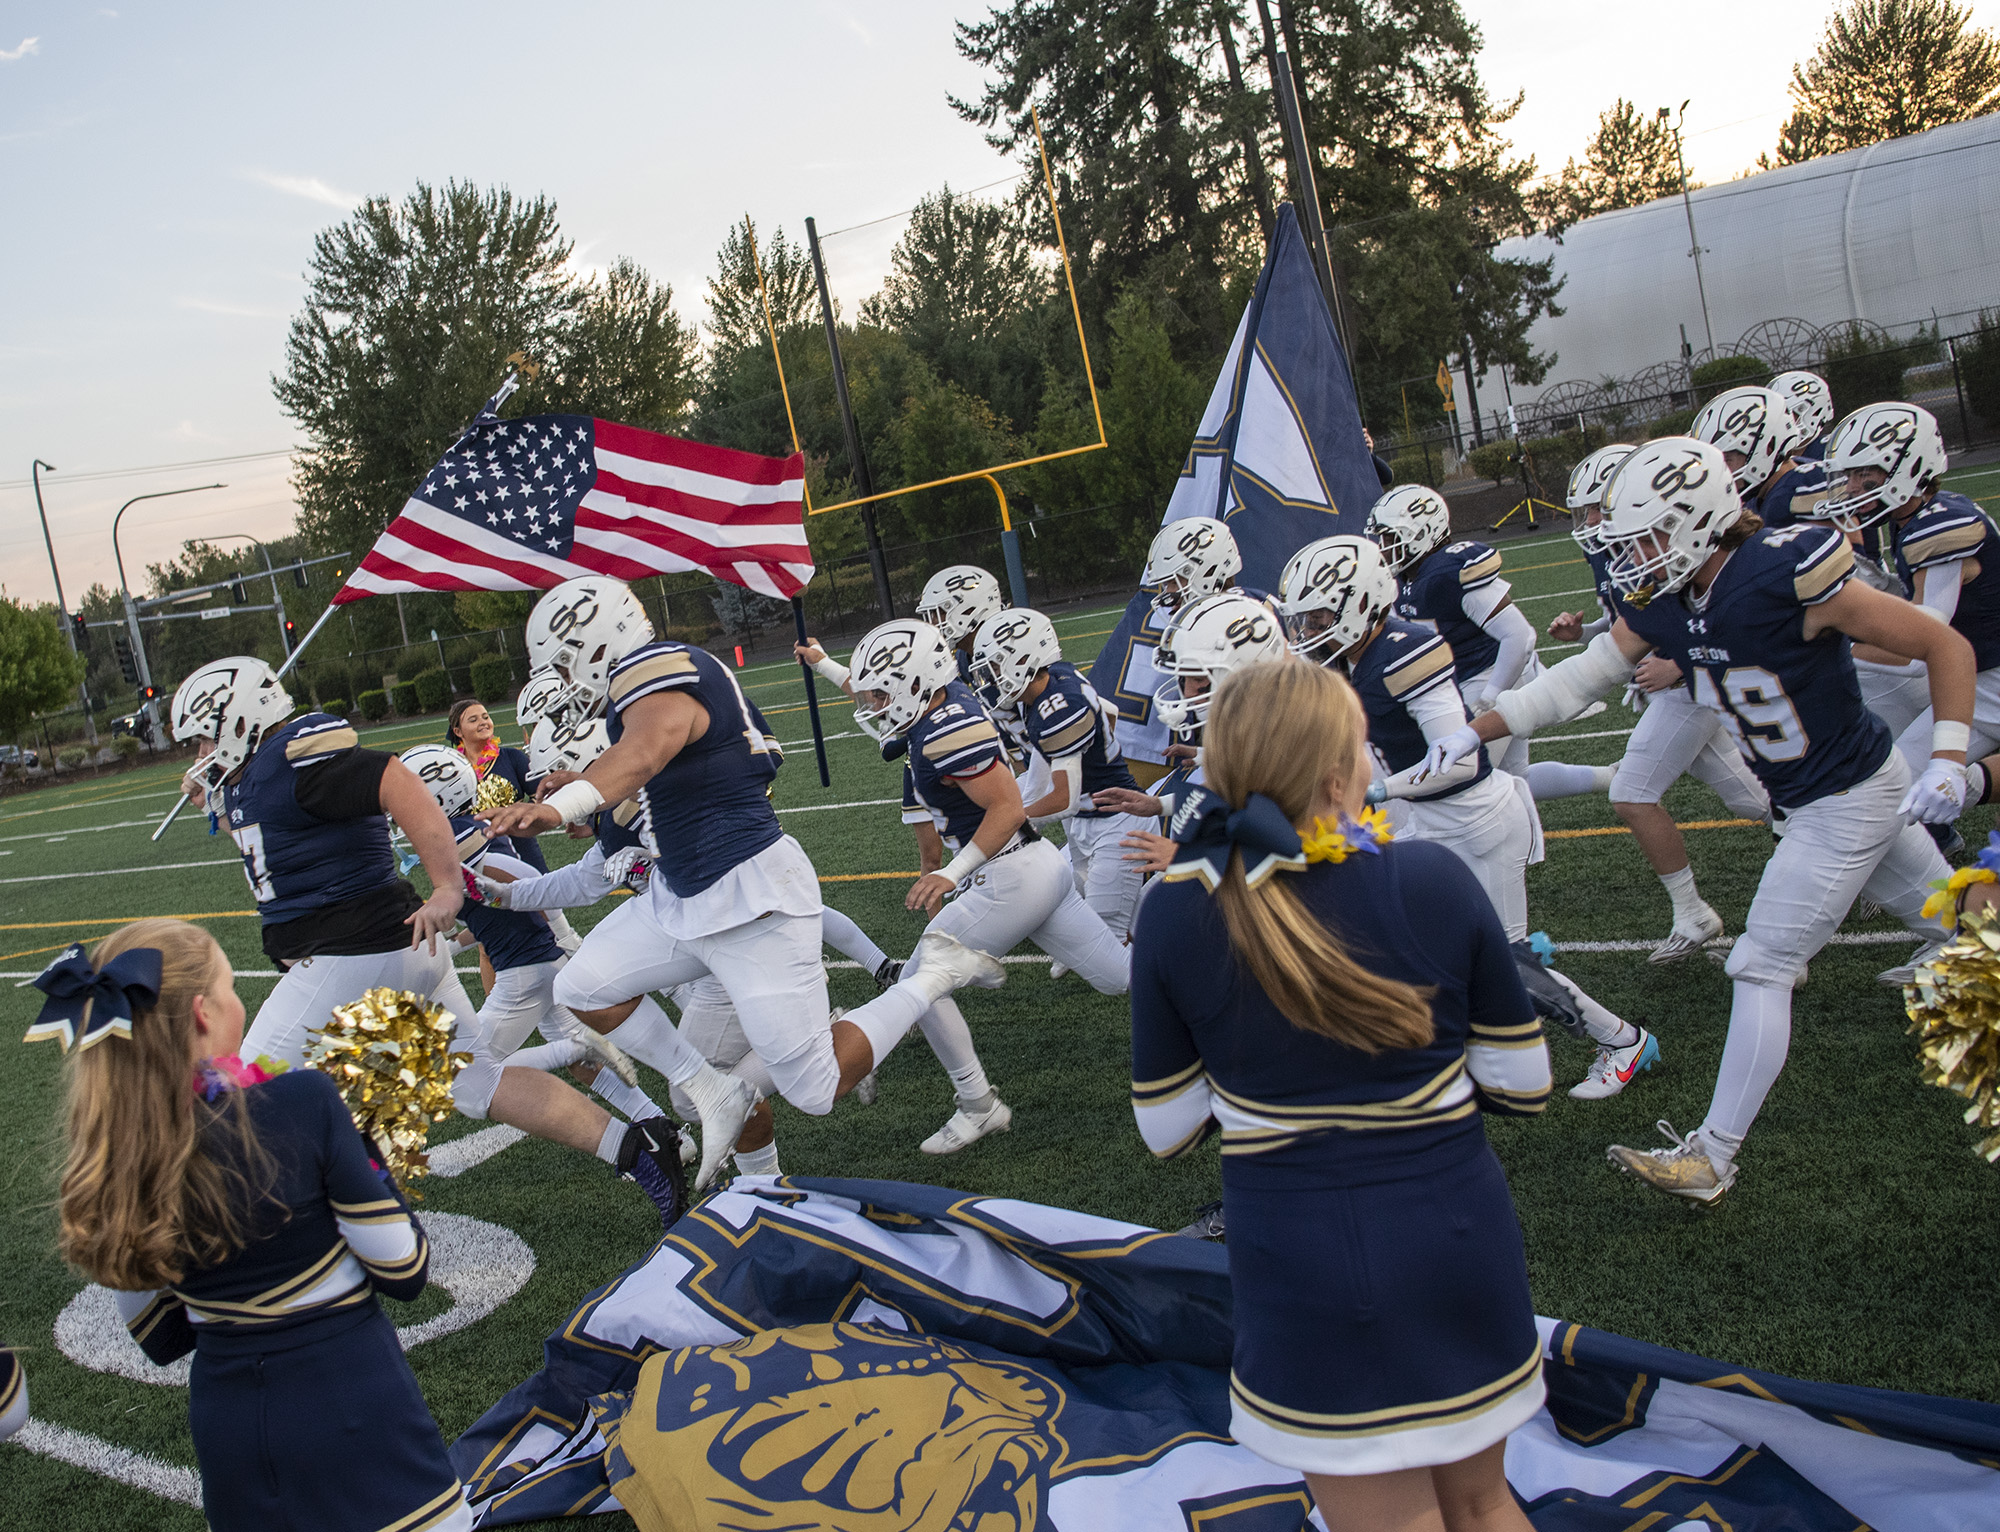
(1858, 1246)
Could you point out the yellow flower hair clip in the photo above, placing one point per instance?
(1336, 843)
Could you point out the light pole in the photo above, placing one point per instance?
(277, 601)
(62, 611)
(1694, 245)
(132, 612)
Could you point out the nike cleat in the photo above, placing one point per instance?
(649, 1154)
(967, 1128)
(1207, 1223)
(888, 971)
(1906, 973)
(723, 1104)
(1614, 1068)
(1683, 1169)
(1685, 941)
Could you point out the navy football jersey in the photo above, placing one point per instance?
(953, 741)
(1400, 664)
(1608, 598)
(620, 827)
(1792, 704)
(708, 808)
(1792, 494)
(1947, 528)
(1434, 594)
(1067, 720)
(512, 938)
(296, 862)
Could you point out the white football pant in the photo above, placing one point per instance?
(1893, 693)
(1489, 828)
(521, 1000)
(304, 998)
(1676, 735)
(1914, 741)
(769, 967)
(1830, 852)
(1109, 884)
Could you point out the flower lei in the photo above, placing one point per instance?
(213, 1078)
(1944, 904)
(482, 759)
(1336, 843)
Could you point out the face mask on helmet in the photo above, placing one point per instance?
(1664, 514)
(1585, 497)
(580, 630)
(956, 600)
(1011, 649)
(1208, 641)
(232, 704)
(1882, 458)
(897, 669)
(1193, 557)
(447, 776)
(1334, 594)
(1753, 428)
(560, 744)
(1408, 524)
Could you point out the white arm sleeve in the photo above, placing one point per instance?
(1601, 625)
(1941, 585)
(1068, 770)
(1566, 688)
(1517, 642)
(1437, 712)
(582, 882)
(1478, 605)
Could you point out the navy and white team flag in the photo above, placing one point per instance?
(526, 504)
(829, 1355)
(1278, 455)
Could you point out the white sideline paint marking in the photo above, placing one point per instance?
(88, 803)
(1556, 595)
(118, 872)
(787, 744)
(1559, 739)
(43, 835)
(864, 803)
(461, 1154)
(94, 1455)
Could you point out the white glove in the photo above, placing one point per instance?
(1483, 703)
(1635, 696)
(1939, 796)
(620, 867)
(490, 892)
(1450, 750)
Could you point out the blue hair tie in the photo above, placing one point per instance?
(85, 1005)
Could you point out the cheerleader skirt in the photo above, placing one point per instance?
(328, 1434)
(1378, 1326)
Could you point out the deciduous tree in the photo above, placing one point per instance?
(37, 671)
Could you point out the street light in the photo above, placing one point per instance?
(1687, 206)
(132, 612)
(284, 631)
(62, 609)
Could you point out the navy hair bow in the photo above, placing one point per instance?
(87, 1005)
(1208, 830)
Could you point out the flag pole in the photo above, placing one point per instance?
(798, 600)
(290, 660)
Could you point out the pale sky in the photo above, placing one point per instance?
(166, 167)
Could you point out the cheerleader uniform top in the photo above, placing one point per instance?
(510, 764)
(304, 1277)
(1209, 1048)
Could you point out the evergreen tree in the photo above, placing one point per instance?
(1630, 159)
(1886, 68)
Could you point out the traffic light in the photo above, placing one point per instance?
(148, 693)
(127, 666)
(291, 632)
(300, 578)
(236, 596)
(80, 628)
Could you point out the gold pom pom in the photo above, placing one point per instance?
(495, 792)
(390, 1053)
(1954, 1006)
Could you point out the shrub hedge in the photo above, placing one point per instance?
(492, 679)
(433, 691)
(404, 698)
(374, 704)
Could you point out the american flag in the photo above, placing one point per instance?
(526, 504)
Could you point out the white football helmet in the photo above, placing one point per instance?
(907, 661)
(1190, 558)
(446, 775)
(1900, 440)
(1409, 522)
(1664, 513)
(1012, 647)
(560, 744)
(1754, 421)
(538, 698)
(1332, 594)
(1811, 401)
(1586, 491)
(957, 599)
(235, 702)
(1208, 640)
(580, 629)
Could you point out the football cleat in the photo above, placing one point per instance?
(1906, 973)
(866, 1090)
(946, 964)
(602, 1050)
(1057, 970)
(888, 971)
(722, 1103)
(1683, 1169)
(966, 1128)
(1686, 942)
(1615, 1068)
(1866, 909)
(649, 1154)
(1207, 1223)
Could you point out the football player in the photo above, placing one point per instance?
(309, 809)
(1338, 599)
(730, 893)
(1812, 409)
(1761, 621)
(1455, 589)
(1017, 663)
(1757, 431)
(1675, 735)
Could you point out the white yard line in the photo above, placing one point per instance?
(1555, 595)
(864, 803)
(92, 1454)
(43, 835)
(116, 872)
(1557, 739)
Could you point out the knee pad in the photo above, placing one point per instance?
(472, 1092)
(809, 1079)
(1754, 963)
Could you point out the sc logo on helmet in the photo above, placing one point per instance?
(204, 705)
(1012, 631)
(1674, 478)
(1248, 630)
(566, 618)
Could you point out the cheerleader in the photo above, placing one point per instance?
(243, 1219)
(1385, 1341)
(13, 1394)
(504, 776)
